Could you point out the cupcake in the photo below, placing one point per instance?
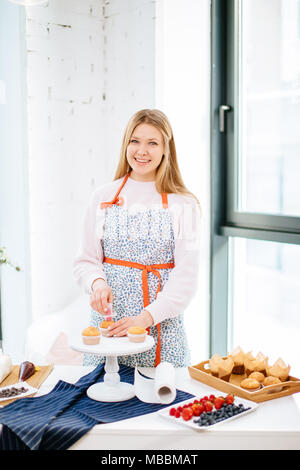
(279, 370)
(272, 381)
(104, 327)
(259, 376)
(252, 385)
(90, 335)
(136, 334)
(261, 363)
(249, 363)
(214, 363)
(225, 369)
(238, 357)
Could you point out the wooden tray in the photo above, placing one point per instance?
(202, 373)
(35, 380)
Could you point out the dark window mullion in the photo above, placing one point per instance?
(264, 221)
(219, 243)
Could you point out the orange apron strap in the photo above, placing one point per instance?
(158, 347)
(164, 198)
(116, 200)
(145, 269)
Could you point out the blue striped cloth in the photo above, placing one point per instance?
(57, 420)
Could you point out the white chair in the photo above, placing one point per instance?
(47, 339)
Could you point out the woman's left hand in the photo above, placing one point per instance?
(120, 327)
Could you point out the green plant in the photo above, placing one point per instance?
(4, 259)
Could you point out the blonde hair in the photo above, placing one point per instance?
(168, 177)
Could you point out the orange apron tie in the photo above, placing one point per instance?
(145, 270)
(118, 200)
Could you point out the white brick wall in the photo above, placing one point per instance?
(129, 64)
(90, 66)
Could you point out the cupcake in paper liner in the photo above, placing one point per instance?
(238, 357)
(249, 363)
(261, 363)
(225, 369)
(280, 370)
(214, 363)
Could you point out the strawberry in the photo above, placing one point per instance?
(197, 409)
(172, 411)
(219, 402)
(229, 399)
(187, 413)
(202, 407)
(208, 406)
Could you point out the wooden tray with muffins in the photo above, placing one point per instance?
(247, 376)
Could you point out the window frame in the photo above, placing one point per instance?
(226, 220)
(14, 215)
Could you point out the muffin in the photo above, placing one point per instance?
(238, 357)
(259, 376)
(90, 335)
(256, 364)
(279, 370)
(252, 385)
(136, 334)
(214, 363)
(261, 363)
(272, 381)
(221, 368)
(249, 363)
(104, 327)
(225, 369)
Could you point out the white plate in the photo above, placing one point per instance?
(237, 400)
(29, 388)
(113, 346)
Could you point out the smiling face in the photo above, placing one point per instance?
(145, 151)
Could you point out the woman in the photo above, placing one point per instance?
(140, 244)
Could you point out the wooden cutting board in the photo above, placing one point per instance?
(35, 380)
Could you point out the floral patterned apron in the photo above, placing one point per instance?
(144, 241)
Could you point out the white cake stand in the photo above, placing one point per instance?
(112, 389)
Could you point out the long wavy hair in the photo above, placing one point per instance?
(168, 178)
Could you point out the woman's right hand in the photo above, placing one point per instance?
(101, 296)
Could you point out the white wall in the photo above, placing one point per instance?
(65, 119)
(90, 65)
(183, 92)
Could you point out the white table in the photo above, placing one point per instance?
(274, 425)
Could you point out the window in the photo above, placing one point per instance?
(265, 297)
(268, 99)
(15, 308)
(255, 174)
